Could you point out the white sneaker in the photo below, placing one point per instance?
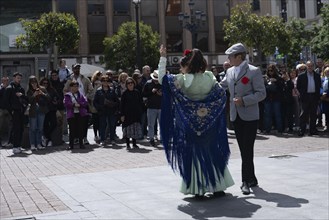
(50, 144)
(43, 141)
(9, 145)
(40, 147)
(33, 148)
(85, 141)
(17, 150)
(97, 139)
(76, 141)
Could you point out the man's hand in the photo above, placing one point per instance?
(238, 101)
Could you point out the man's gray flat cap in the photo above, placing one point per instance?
(236, 48)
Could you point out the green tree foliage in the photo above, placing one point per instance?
(60, 29)
(120, 49)
(299, 37)
(264, 33)
(320, 42)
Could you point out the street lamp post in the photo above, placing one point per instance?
(138, 40)
(192, 21)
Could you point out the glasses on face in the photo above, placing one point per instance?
(130, 83)
(45, 83)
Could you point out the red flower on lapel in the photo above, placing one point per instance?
(245, 80)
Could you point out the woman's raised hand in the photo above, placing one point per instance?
(163, 51)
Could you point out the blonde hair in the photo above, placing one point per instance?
(326, 70)
(95, 75)
(123, 74)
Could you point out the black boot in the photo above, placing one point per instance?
(128, 144)
(134, 144)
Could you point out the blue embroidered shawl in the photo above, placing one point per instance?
(194, 132)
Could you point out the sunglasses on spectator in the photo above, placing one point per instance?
(129, 83)
(44, 83)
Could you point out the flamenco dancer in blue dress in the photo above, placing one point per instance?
(193, 125)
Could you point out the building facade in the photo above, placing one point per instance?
(101, 18)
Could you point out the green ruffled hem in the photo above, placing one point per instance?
(221, 185)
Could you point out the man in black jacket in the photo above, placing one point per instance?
(153, 92)
(4, 114)
(16, 102)
(308, 85)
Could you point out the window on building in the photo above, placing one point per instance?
(284, 10)
(149, 8)
(202, 41)
(221, 8)
(96, 43)
(96, 7)
(68, 6)
(319, 5)
(173, 7)
(149, 13)
(173, 28)
(302, 13)
(122, 7)
(174, 42)
(255, 5)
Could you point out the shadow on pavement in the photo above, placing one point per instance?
(282, 200)
(139, 150)
(22, 154)
(213, 207)
(82, 151)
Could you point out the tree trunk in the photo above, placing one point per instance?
(49, 51)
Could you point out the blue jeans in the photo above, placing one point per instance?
(152, 116)
(36, 128)
(272, 109)
(110, 121)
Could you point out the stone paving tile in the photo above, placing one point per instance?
(131, 197)
(20, 175)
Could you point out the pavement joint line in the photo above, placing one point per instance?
(106, 156)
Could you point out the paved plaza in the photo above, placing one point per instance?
(113, 183)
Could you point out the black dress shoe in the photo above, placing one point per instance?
(197, 196)
(314, 133)
(253, 183)
(69, 148)
(82, 147)
(245, 188)
(219, 194)
(300, 133)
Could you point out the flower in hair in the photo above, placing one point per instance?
(187, 52)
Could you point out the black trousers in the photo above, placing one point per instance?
(50, 124)
(245, 132)
(308, 114)
(77, 126)
(18, 128)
